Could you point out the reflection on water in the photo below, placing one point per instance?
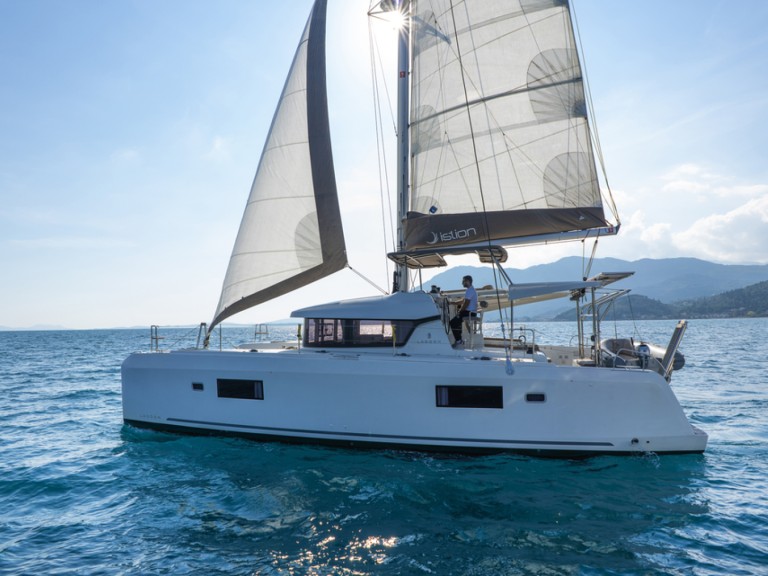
(80, 493)
(319, 510)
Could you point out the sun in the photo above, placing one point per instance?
(393, 11)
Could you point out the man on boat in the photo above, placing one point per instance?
(468, 308)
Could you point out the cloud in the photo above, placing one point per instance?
(657, 234)
(698, 180)
(735, 230)
(219, 149)
(699, 213)
(740, 235)
(690, 181)
(638, 239)
(745, 191)
(125, 156)
(688, 170)
(686, 186)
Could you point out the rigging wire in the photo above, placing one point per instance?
(587, 268)
(384, 186)
(381, 152)
(634, 320)
(479, 176)
(592, 116)
(371, 282)
(375, 51)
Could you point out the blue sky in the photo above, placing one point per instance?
(130, 132)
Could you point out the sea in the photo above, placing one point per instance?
(83, 494)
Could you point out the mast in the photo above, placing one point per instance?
(403, 60)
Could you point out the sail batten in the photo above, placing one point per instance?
(500, 140)
(512, 92)
(290, 234)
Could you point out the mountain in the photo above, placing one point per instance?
(632, 307)
(749, 302)
(666, 280)
(669, 281)
(42, 327)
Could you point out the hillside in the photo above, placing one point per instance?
(750, 302)
(630, 307)
(667, 279)
(665, 288)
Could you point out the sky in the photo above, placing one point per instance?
(130, 132)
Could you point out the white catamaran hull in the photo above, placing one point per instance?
(373, 399)
(491, 113)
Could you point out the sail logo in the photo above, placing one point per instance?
(452, 235)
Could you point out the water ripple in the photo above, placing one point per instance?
(80, 493)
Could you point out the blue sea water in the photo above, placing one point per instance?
(80, 493)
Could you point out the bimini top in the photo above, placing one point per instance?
(397, 306)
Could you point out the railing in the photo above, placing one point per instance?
(668, 362)
(522, 340)
(202, 332)
(154, 338)
(261, 333)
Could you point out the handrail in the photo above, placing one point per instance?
(668, 363)
(202, 331)
(154, 338)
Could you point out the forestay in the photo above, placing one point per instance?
(500, 142)
(291, 233)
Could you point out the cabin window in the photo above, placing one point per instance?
(535, 397)
(469, 396)
(241, 389)
(325, 332)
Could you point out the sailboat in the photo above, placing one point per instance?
(495, 150)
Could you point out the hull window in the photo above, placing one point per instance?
(353, 333)
(536, 397)
(469, 396)
(241, 389)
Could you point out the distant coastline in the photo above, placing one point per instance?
(661, 289)
(748, 302)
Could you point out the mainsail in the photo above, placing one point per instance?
(291, 233)
(500, 142)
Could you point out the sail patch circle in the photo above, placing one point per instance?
(570, 181)
(308, 249)
(555, 85)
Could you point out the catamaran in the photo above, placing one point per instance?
(495, 150)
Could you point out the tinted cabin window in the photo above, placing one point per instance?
(469, 396)
(242, 389)
(328, 332)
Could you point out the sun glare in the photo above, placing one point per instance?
(393, 11)
(398, 18)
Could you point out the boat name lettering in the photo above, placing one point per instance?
(452, 235)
